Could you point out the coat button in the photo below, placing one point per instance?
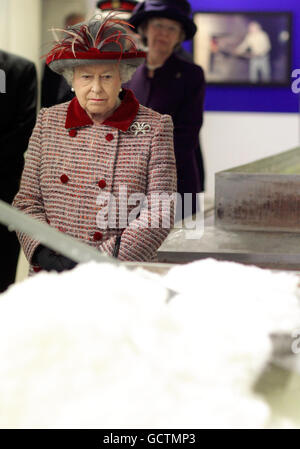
(72, 132)
(109, 137)
(64, 179)
(37, 269)
(97, 236)
(102, 183)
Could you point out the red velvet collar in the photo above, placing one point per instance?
(121, 119)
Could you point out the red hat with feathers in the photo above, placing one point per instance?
(97, 41)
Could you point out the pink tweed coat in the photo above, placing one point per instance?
(73, 166)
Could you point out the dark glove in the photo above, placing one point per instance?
(49, 260)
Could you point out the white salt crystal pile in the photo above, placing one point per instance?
(99, 347)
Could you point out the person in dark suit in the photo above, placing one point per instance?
(18, 105)
(170, 85)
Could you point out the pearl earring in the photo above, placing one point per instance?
(72, 89)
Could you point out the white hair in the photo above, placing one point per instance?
(69, 75)
(126, 72)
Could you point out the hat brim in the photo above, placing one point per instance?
(123, 15)
(67, 61)
(189, 26)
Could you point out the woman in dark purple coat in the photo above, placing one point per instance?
(170, 85)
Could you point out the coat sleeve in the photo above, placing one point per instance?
(29, 198)
(187, 124)
(145, 234)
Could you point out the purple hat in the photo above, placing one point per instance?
(178, 10)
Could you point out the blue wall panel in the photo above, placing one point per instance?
(252, 98)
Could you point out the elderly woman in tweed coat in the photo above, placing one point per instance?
(97, 166)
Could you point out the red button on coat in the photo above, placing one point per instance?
(102, 183)
(37, 269)
(97, 236)
(72, 132)
(109, 137)
(64, 179)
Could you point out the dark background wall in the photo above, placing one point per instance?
(254, 98)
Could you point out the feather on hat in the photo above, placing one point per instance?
(97, 41)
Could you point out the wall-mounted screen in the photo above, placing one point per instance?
(244, 47)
